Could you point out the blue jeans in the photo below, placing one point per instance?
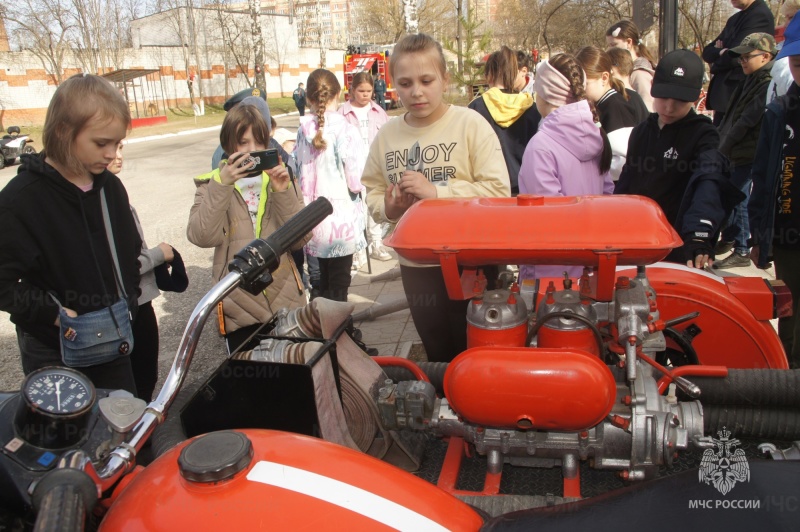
(738, 226)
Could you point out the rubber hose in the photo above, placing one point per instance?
(747, 422)
(434, 371)
(751, 387)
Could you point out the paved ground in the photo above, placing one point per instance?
(158, 176)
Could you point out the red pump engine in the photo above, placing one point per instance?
(574, 375)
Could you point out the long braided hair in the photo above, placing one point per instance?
(569, 68)
(323, 87)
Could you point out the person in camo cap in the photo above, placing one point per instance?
(738, 133)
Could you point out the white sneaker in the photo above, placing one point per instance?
(359, 259)
(379, 253)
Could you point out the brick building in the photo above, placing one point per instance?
(165, 43)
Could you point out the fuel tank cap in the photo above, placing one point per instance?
(215, 457)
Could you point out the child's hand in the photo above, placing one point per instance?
(279, 177)
(698, 252)
(415, 183)
(395, 202)
(166, 249)
(231, 172)
(69, 312)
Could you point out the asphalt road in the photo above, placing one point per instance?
(158, 175)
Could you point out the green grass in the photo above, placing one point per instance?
(182, 118)
(179, 119)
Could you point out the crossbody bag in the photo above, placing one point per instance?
(103, 335)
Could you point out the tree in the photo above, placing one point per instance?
(382, 21)
(235, 42)
(43, 27)
(258, 44)
(476, 43)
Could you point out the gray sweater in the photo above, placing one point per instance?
(149, 259)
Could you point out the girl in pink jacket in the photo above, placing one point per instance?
(362, 112)
(330, 159)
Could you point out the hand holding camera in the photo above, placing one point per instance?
(251, 164)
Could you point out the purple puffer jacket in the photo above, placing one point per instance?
(563, 159)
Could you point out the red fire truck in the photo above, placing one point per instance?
(376, 63)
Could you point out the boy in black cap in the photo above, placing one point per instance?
(773, 212)
(738, 132)
(673, 159)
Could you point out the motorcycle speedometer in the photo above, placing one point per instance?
(58, 392)
(55, 408)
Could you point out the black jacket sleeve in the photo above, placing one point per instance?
(762, 197)
(18, 254)
(710, 197)
(756, 18)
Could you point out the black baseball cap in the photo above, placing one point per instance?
(679, 75)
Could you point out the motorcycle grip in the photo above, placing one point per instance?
(299, 225)
(62, 499)
(264, 254)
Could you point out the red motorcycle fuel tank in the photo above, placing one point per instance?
(269, 480)
(549, 389)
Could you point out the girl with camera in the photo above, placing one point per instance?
(231, 208)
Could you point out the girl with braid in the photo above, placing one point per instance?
(619, 110)
(570, 154)
(330, 158)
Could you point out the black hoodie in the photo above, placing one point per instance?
(48, 228)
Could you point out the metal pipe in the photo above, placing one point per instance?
(122, 457)
(376, 311)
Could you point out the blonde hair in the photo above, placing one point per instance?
(415, 44)
(79, 99)
(322, 88)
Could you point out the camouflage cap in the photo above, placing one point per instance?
(237, 98)
(761, 42)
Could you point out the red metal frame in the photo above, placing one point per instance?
(448, 477)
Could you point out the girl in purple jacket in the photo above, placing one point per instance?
(570, 154)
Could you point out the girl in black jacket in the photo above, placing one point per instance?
(54, 242)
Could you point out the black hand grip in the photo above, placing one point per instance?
(262, 256)
(299, 225)
(62, 499)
